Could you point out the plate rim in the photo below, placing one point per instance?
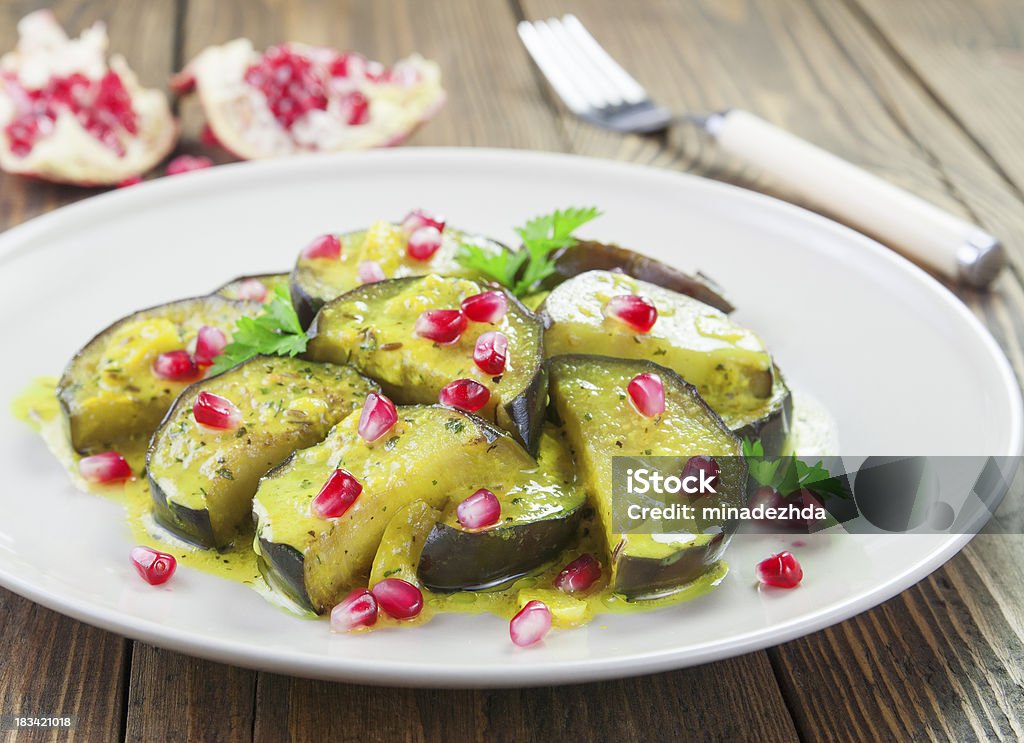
(17, 239)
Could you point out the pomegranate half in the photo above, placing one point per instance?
(295, 98)
(69, 116)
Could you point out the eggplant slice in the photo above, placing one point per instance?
(373, 328)
(589, 396)
(316, 281)
(203, 480)
(108, 391)
(235, 288)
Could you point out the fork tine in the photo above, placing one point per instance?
(540, 50)
(628, 88)
(570, 65)
(583, 66)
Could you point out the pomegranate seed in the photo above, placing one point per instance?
(378, 417)
(479, 510)
(579, 575)
(531, 624)
(648, 394)
(464, 394)
(131, 181)
(216, 412)
(208, 137)
(252, 290)
(358, 609)
(419, 218)
(376, 72)
(486, 307)
(348, 64)
(175, 366)
(355, 107)
(289, 83)
(337, 495)
(781, 570)
(443, 326)
(154, 566)
(370, 272)
(491, 352)
(188, 163)
(423, 243)
(105, 468)
(210, 344)
(695, 465)
(325, 246)
(639, 313)
(398, 598)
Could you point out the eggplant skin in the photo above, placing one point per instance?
(641, 578)
(457, 560)
(590, 255)
(306, 305)
(283, 567)
(192, 525)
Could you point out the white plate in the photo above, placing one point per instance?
(902, 365)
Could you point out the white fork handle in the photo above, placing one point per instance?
(920, 230)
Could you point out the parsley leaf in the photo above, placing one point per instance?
(789, 474)
(275, 332)
(522, 270)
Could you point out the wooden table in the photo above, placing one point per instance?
(927, 93)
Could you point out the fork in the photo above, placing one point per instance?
(598, 90)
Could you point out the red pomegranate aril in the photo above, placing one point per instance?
(397, 598)
(442, 326)
(132, 181)
(154, 567)
(579, 575)
(175, 366)
(370, 272)
(639, 313)
(289, 83)
(781, 571)
(208, 137)
(105, 468)
(464, 394)
(485, 307)
(419, 218)
(348, 64)
(210, 344)
(325, 246)
(188, 163)
(252, 290)
(479, 510)
(356, 108)
(423, 243)
(648, 394)
(491, 352)
(358, 609)
(378, 417)
(531, 624)
(708, 465)
(337, 495)
(214, 411)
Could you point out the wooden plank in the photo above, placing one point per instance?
(697, 702)
(52, 664)
(970, 59)
(173, 697)
(55, 666)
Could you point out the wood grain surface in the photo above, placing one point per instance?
(923, 92)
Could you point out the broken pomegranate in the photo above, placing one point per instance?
(295, 98)
(67, 115)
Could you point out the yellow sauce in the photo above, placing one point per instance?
(37, 407)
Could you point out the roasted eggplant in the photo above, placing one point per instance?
(373, 328)
(768, 423)
(402, 542)
(203, 480)
(315, 281)
(728, 363)
(433, 454)
(590, 255)
(244, 287)
(589, 397)
(536, 523)
(109, 392)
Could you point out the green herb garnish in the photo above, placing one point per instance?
(789, 474)
(523, 270)
(275, 332)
